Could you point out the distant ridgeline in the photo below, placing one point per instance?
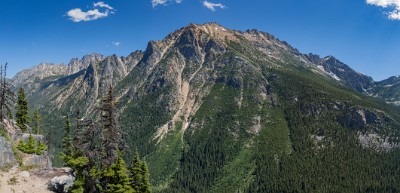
(217, 110)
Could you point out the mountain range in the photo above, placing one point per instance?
(218, 110)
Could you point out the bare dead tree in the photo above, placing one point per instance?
(7, 97)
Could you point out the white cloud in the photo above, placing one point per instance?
(392, 4)
(77, 15)
(102, 4)
(155, 3)
(116, 44)
(212, 6)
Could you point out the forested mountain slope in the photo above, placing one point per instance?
(218, 110)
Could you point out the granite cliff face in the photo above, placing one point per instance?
(210, 97)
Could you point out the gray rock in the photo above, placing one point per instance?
(6, 153)
(61, 183)
(24, 174)
(36, 160)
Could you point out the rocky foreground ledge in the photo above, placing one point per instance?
(20, 180)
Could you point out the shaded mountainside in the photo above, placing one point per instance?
(389, 89)
(218, 110)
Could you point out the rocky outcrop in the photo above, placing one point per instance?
(6, 152)
(60, 184)
(14, 136)
(76, 65)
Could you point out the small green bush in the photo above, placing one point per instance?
(31, 146)
(12, 181)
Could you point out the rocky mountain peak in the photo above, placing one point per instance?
(38, 72)
(76, 64)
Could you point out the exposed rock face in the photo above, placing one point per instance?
(38, 73)
(15, 135)
(75, 65)
(389, 90)
(53, 71)
(6, 153)
(343, 73)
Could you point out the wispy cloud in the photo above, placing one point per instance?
(155, 3)
(116, 44)
(77, 15)
(212, 6)
(102, 4)
(394, 5)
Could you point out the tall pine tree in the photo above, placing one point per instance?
(36, 119)
(21, 115)
(136, 172)
(111, 137)
(67, 145)
(120, 181)
(140, 175)
(145, 185)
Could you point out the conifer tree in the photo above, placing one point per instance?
(78, 134)
(140, 175)
(29, 146)
(136, 172)
(120, 181)
(67, 141)
(36, 119)
(22, 110)
(146, 187)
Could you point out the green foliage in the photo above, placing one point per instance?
(40, 148)
(165, 159)
(140, 175)
(136, 171)
(326, 155)
(21, 115)
(36, 121)
(146, 186)
(67, 140)
(31, 146)
(28, 147)
(120, 181)
(91, 155)
(4, 134)
(12, 181)
(78, 164)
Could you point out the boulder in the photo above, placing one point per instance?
(60, 184)
(24, 174)
(6, 153)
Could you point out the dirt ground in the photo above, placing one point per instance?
(36, 182)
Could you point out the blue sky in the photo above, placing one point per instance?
(365, 34)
